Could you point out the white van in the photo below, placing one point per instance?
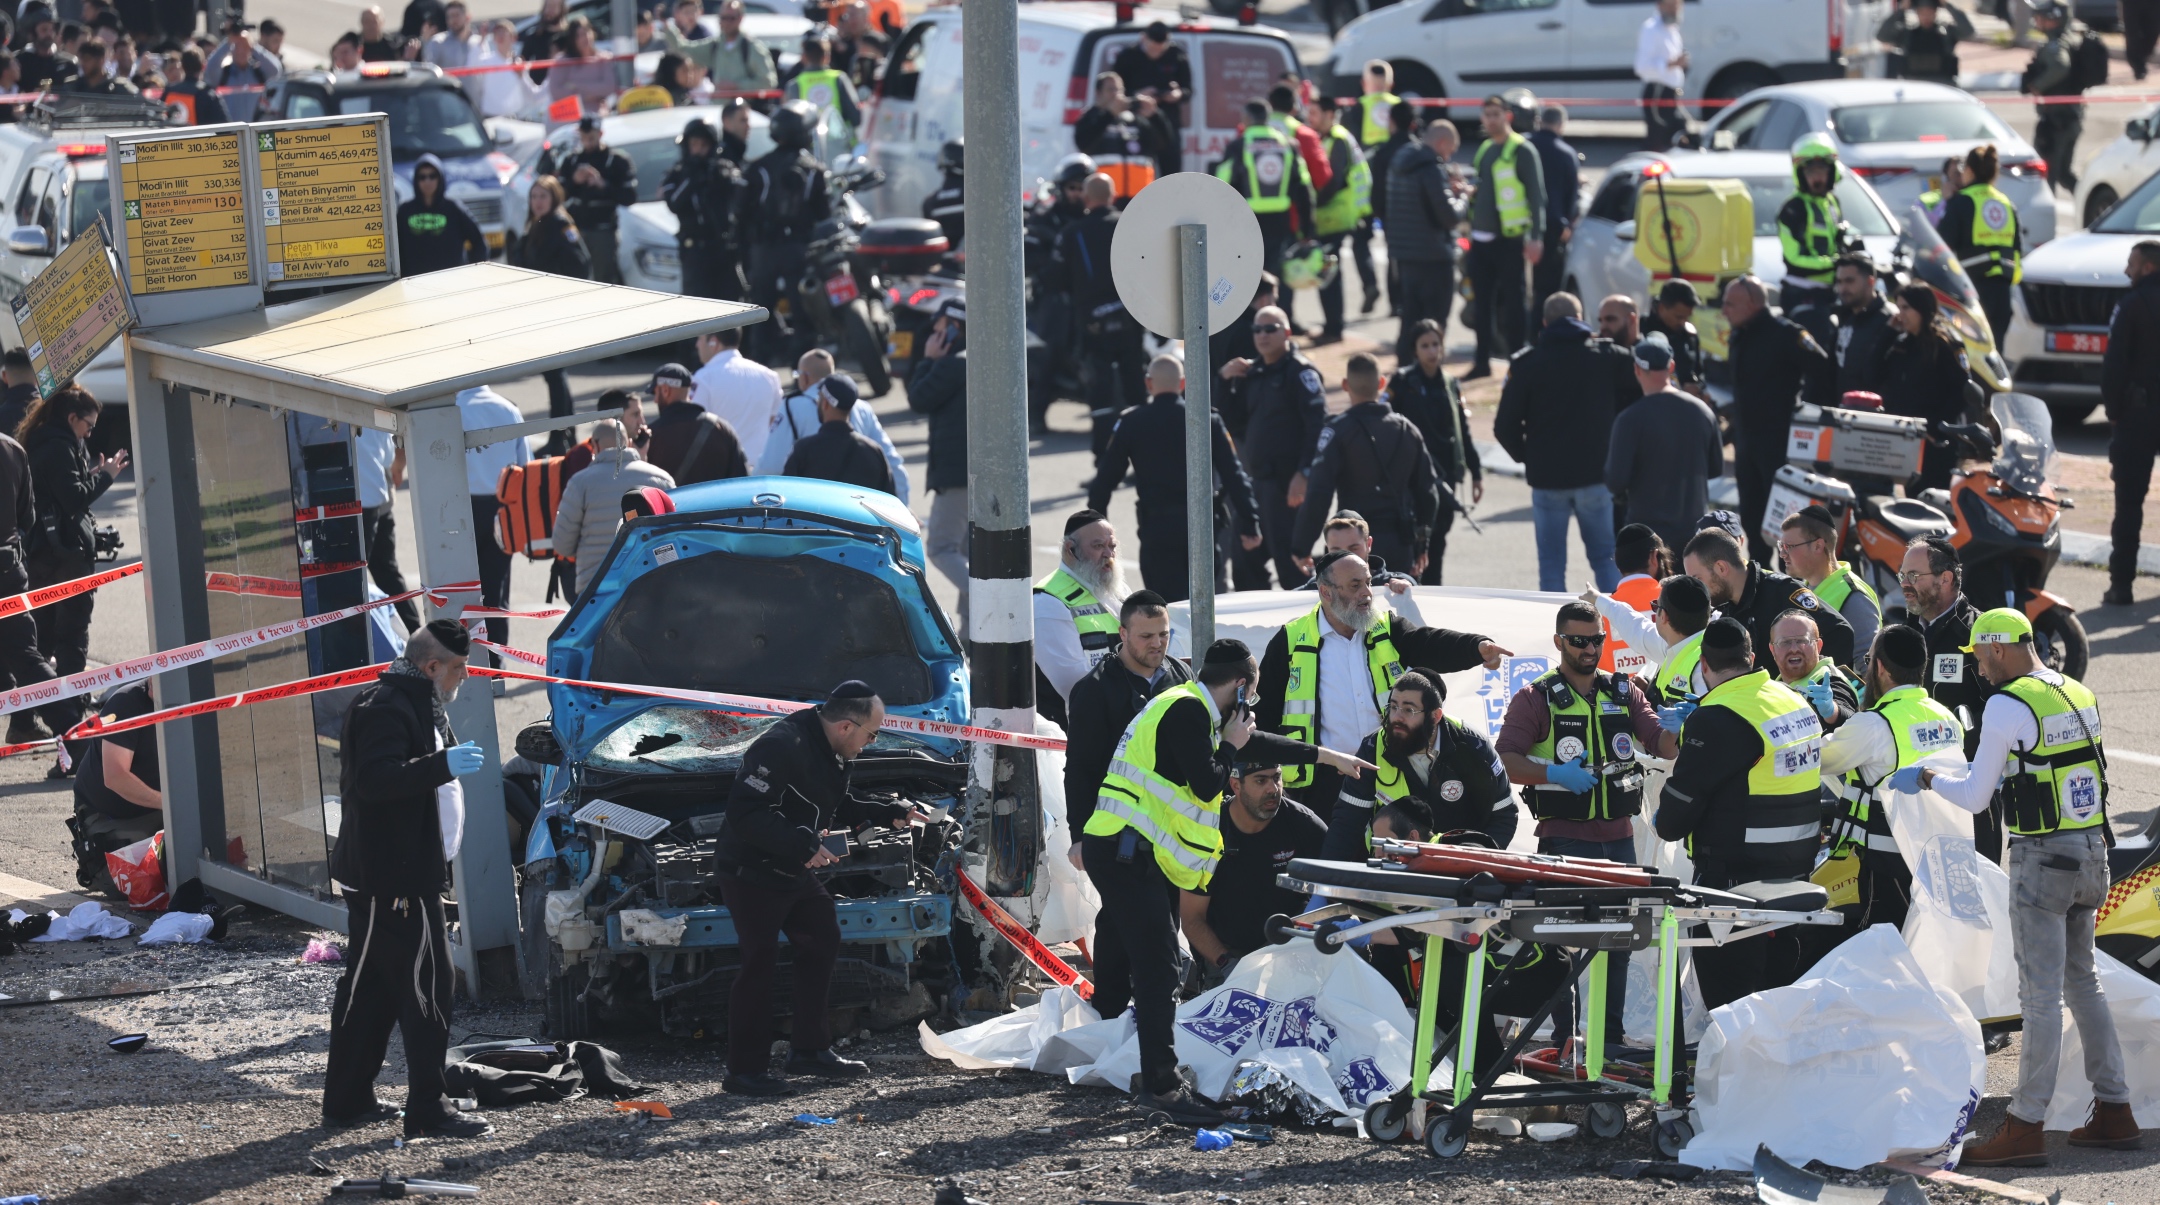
(1063, 47)
(1584, 50)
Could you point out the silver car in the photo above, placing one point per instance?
(2059, 323)
(1894, 134)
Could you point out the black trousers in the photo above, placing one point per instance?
(1331, 293)
(1114, 372)
(378, 538)
(1753, 471)
(20, 659)
(1497, 281)
(1423, 288)
(1661, 122)
(1361, 254)
(1135, 949)
(600, 240)
(1249, 566)
(2130, 463)
(1436, 544)
(2055, 136)
(1278, 524)
(561, 404)
(494, 568)
(805, 913)
(397, 973)
(63, 628)
(1546, 275)
(1995, 304)
(1167, 569)
(2141, 30)
(713, 274)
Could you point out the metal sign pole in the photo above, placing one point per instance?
(1200, 553)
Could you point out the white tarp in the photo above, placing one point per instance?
(1862, 1061)
(2134, 1002)
(1959, 924)
(1062, 907)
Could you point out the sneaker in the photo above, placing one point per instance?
(825, 1064)
(449, 1127)
(756, 1085)
(1181, 1105)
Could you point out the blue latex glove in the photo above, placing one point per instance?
(1906, 781)
(465, 759)
(1573, 775)
(1818, 693)
(1671, 718)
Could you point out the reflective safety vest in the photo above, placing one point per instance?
(2059, 785)
(1840, 585)
(1353, 203)
(1270, 159)
(1185, 829)
(1508, 195)
(1932, 202)
(1301, 695)
(1813, 256)
(1995, 233)
(1374, 108)
(1601, 732)
(822, 89)
(1920, 726)
(1096, 623)
(1679, 675)
(1784, 785)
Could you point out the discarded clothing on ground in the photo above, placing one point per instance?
(178, 928)
(520, 1071)
(84, 920)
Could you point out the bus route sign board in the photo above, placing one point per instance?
(183, 230)
(71, 311)
(322, 200)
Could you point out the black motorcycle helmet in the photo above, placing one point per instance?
(794, 125)
(1074, 169)
(698, 127)
(952, 156)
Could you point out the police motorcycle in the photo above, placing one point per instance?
(840, 302)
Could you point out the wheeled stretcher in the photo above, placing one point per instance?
(1582, 907)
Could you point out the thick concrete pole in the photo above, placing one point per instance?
(1000, 617)
(1199, 442)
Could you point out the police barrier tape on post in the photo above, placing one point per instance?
(1024, 941)
(94, 725)
(31, 600)
(751, 704)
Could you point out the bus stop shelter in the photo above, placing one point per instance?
(243, 428)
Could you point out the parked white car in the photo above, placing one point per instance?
(2119, 168)
(1601, 255)
(1586, 48)
(1894, 134)
(2059, 320)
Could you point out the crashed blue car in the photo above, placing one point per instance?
(775, 587)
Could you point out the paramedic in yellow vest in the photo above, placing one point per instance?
(1442, 765)
(1573, 740)
(1745, 794)
(1812, 232)
(1670, 636)
(1901, 726)
(1371, 118)
(1980, 225)
(2040, 747)
(1326, 674)
(1343, 206)
(1076, 610)
(830, 92)
(1262, 164)
(1156, 830)
(1507, 232)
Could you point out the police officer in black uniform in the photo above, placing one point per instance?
(1776, 364)
(787, 197)
(598, 180)
(1449, 768)
(1756, 596)
(705, 191)
(948, 205)
(1670, 315)
(1050, 309)
(1933, 582)
(2130, 388)
(1376, 461)
(1285, 407)
(1109, 337)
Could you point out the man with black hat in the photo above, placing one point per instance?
(1156, 826)
(599, 181)
(1076, 610)
(1670, 635)
(838, 452)
(1665, 449)
(1262, 832)
(788, 798)
(1745, 793)
(705, 189)
(403, 818)
(1443, 766)
(1756, 596)
(1672, 315)
(689, 442)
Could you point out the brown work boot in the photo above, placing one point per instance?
(2016, 1144)
(2110, 1126)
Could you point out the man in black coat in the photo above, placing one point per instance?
(1425, 204)
(1933, 581)
(836, 451)
(598, 180)
(1742, 589)
(1561, 163)
(1286, 405)
(706, 191)
(1376, 461)
(790, 792)
(1110, 338)
(1105, 699)
(2130, 388)
(402, 819)
(1775, 365)
(1862, 325)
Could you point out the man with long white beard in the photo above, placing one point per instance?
(1327, 674)
(1076, 610)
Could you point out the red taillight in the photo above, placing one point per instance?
(2037, 167)
(1125, 12)
(1076, 99)
(917, 298)
(1880, 173)
(1248, 14)
(81, 150)
(1837, 27)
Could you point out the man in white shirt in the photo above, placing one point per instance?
(2054, 798)
(738, 390)
(797, 418)
(382, 470)
(1661, 63)
(481, 407)
(1076, 610)
(501, 93)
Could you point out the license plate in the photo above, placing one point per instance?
(901, 346)
(2078, 343)
(840, 288)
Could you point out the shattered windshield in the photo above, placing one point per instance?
(692, 740)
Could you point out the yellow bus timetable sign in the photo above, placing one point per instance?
(183, 206)
(71, 311)
(322, 201)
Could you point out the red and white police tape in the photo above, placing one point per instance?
(94, 726)
(31, 600)
(1024, 941)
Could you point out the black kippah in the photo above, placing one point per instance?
(1818, 513)
(1902, 645)
(853, 688)
(1685, 595)
(1725, 634)
(1227, 652)
(451, 635)
(1081, 518)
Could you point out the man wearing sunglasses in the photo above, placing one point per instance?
(1286, 406)
(1571, 739)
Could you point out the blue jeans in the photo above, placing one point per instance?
(1592, 507)
(1616, 962)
